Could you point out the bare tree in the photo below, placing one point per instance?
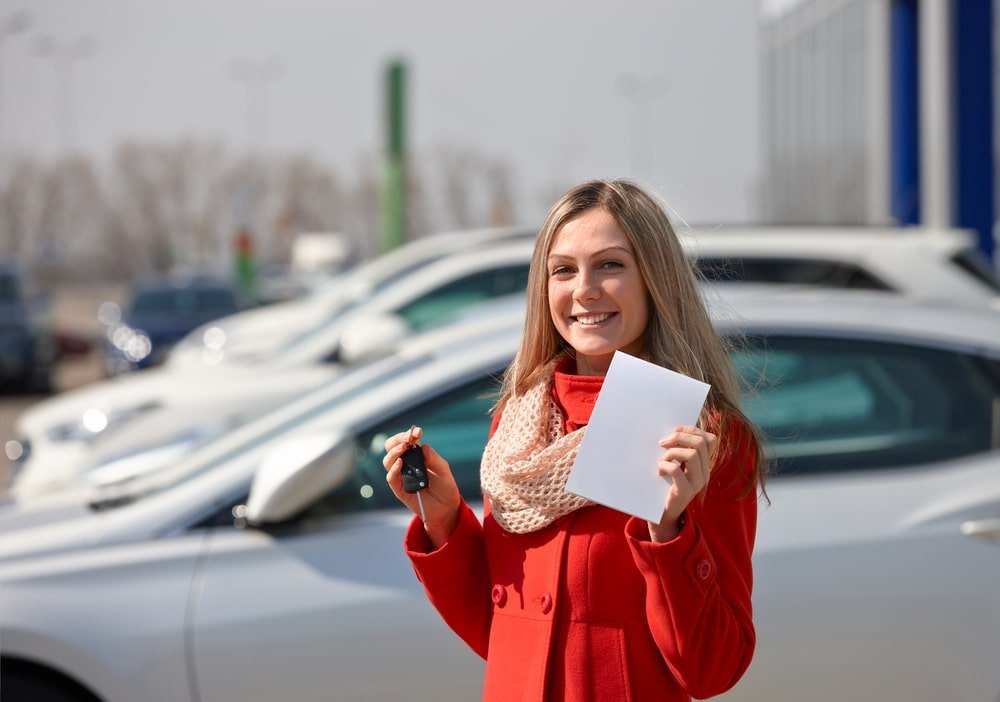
(155, 205)
(71, 215)
(19, 205)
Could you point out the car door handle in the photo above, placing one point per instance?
(982, 528)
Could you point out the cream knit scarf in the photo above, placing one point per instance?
(527, 461)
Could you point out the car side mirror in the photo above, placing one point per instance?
(296, 472)
(372, 337)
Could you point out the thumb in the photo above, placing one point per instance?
(433, 462)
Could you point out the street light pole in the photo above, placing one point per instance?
(64, 57)
(256, 75)
(10, 25)
(641, 92)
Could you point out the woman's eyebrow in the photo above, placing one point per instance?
(622, 249)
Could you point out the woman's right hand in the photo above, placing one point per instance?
(441, 498)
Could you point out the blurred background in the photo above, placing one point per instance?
(315, 219)
(269, 145)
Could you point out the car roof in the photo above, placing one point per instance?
(785, 239)
(838, 311)
(400, 261)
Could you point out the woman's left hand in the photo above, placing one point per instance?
(687, 461)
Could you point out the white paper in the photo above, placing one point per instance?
(639, 404)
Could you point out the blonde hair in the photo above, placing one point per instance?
(679, 334)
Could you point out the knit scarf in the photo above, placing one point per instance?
(527, 461)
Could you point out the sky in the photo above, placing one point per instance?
(541, 84)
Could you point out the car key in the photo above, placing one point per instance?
(413, 472)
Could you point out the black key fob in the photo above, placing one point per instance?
(414, 473)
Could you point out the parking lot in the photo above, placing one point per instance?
(73, 308)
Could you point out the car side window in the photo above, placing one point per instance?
(789, 271)
(833, 405)
(456, 424)
(448, 299)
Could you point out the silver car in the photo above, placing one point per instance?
(268, 564)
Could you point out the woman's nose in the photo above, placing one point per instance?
(587, 287)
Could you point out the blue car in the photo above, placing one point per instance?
(28, 350)
(160, 312)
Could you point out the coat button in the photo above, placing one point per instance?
(499, 595)
(703, 569)
(546, 603)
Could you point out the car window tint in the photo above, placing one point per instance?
(456, 424)
(975, 264)
(448, 299)
(789, 271)
(841, 405)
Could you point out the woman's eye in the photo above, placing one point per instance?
(561, 270)
(612, 264)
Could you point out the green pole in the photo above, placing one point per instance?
(246, 271)
(393, 205)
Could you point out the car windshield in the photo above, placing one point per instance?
(184, 301)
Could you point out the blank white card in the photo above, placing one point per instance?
(639, 404)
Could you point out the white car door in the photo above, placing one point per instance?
(865, 585)
(327, 606)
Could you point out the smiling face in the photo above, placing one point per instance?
(597, 298)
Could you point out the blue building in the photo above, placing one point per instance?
(880, 111)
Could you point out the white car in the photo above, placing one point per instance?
(64, 437)
(59, 435)
(107, 433)
(380, 304)
(260, 332)
(927, 263)
(937, 264)
(269, 565)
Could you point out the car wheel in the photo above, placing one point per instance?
(15, 687)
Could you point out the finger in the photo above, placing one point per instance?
(691, 465)
(393, 454)
(700, 442)
(711, 440)
(683, 456)
(435, 465)
(411, 435)
(674, 471)
(395, 481)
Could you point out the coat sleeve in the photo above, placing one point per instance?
(456, 577)
(698, 585)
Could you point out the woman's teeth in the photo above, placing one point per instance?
(591, 318)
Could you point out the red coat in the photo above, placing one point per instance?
(588, 608)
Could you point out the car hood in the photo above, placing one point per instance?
(17, 514)
(249, 333)
(53, 537)
(159, 387)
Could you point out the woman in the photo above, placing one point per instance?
(566, 599)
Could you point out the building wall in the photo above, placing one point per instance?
(881, 111)
(816, 103)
